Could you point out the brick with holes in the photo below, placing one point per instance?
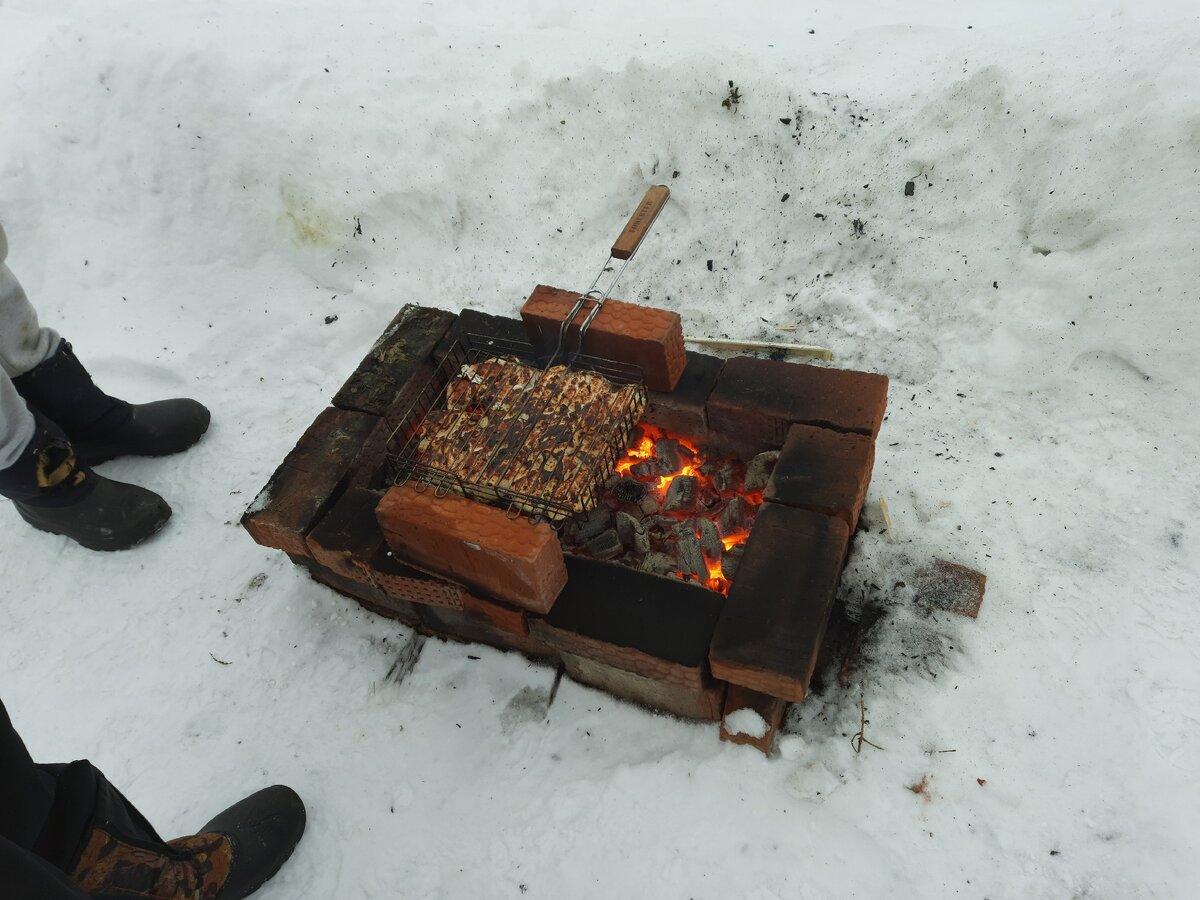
(649, 338)
(479, 546)
(367, 596)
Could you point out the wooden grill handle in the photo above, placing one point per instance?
(639, 223)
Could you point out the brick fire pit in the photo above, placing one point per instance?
(662, 640)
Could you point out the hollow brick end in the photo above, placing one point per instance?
(475, 545)
(774, 619)
(769, 709)
(644, 336)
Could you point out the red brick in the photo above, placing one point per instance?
(396, 579)
(701, 701)
(308, 480)
(823, 470)
(364, 594)
(649, 338)
(403, 582)
(756, 401)
(479, 546)
(951, 587)
(770, 710)
(405, 346)
(775, 616)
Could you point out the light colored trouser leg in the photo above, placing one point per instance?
(23, 345)
(16, 423)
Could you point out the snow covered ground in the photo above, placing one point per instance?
(180, 184)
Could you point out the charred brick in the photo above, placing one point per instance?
(755, 401)
(402, 350)
(779, 604)
(825, 471)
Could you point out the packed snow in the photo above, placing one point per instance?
(183, 185)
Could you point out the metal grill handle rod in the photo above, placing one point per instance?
(624, 248)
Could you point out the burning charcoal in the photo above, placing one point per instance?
(710, 539)
(726, 477)
(708, 499)
(729, 562)
(660, 526)
(688, 552)
(633, 534)
(630, 490)
(760, 469)
(666, 453)
(612, 482)
(649, 504)
(681, 495)
(606, 545)
(597, 521)
(645, 469)
(734, 516)
(659, 564)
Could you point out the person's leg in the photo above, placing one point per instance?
(27, 799)
(69, 819)
(27, 875)
(24, 344)
(26, 791)
(50, 377)
(40, 470)
(16, 423)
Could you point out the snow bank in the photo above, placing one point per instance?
(181, 192)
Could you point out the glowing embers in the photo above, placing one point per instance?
(671, 509)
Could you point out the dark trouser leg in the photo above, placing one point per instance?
(46, 812)
(26, 876)
(27, 795)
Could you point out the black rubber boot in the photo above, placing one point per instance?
(263, 830)
(102, 427)
(53, 492)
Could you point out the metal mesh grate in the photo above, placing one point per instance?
(494, 424)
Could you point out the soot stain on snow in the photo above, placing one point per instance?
(527, 705)
(883, 629)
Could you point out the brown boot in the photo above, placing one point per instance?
(231, 857)
(191, 868)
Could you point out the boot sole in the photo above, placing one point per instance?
(100, 545)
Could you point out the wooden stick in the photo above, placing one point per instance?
(887, 520)
(795, 349)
